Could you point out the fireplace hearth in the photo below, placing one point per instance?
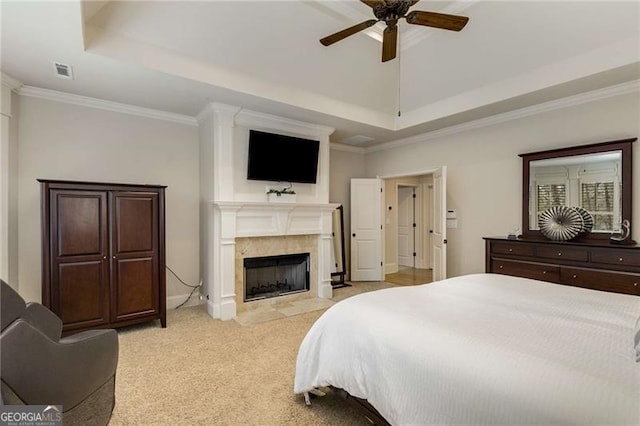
(272, 276)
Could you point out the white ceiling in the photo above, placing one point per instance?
(264, 55)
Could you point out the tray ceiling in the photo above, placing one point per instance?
(264, 55)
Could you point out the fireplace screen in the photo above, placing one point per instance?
(275, 276)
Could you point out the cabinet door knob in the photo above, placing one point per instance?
(559, 253)
(510, 250)
(620, 259)
(544, 272)
(575, 276)
(635, 284)
(501, 266)
(104, 257)
(114, 257)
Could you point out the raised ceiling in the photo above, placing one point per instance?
(177, 56)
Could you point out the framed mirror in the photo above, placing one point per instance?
(596, 177)
(338, 262)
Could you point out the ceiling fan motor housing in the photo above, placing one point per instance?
(390, 13)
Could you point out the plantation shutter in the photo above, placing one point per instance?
(598, 199)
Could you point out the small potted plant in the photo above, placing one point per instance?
(284, 195)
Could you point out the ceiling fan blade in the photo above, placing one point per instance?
(389, 43)
(328, 40)
(437, 20)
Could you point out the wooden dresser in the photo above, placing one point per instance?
(599, 266)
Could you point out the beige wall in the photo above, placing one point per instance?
(345, 165)
(70, 142)
(484, 170)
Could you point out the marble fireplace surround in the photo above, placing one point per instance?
(254, 229)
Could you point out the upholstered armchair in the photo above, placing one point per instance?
(38, 367)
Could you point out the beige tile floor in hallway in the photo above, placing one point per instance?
(410, 276)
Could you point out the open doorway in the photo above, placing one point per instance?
(407, 254)
(374, 245)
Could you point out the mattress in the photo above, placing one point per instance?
(480, 349)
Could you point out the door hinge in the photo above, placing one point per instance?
(380, 189)
(380, 263)
(414, 195)
(414, 225)
(414, 254)
(380, 226)
(444, 242)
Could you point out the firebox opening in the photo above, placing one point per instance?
(272, 276)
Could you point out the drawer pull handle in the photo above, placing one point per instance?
(559, 253)
(620, 259)
(501, 266)
(575, 276)
(544, 272)
(510, 250)
(635, 284)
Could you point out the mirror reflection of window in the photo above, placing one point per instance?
(591, 181)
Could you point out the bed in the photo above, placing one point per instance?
(480, 349)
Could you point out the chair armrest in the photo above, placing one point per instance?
(45, 372)
(43, 319)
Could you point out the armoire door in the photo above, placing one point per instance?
(79, 265)
(134, 255)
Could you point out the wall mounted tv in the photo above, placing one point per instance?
(282, 158)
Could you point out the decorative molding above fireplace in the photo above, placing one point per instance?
(254, 219)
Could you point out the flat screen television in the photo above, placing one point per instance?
(282, 158)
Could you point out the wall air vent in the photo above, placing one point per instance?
(63, 70)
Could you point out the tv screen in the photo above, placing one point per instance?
(282, 158)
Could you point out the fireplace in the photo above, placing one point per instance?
(272, 276)
(246, 230)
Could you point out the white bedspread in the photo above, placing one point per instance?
(481, 349)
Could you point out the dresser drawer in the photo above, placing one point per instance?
(620, 282)
(616, 257)
(512, 248)
(563, 253)
(538, 271)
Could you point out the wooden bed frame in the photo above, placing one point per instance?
(363, 406)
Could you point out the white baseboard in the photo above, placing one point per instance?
(390, 268)
(173, 301)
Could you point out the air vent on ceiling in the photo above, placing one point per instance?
(63, 70)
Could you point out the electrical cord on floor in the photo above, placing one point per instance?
(193, 287)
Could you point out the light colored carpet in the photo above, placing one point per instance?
(200, 370)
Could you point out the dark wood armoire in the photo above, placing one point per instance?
(103, 253)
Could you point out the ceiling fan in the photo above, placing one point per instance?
(390, 11)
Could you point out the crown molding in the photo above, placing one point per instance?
(347, 148)
(85, 101)
(250, 118)
(10, 82)
(570, 101)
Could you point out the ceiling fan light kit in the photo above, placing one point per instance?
(389, 11)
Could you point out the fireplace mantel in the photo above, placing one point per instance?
(257, 219)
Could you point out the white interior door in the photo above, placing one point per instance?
(366, 230)
(406, 234)
(439, 217)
